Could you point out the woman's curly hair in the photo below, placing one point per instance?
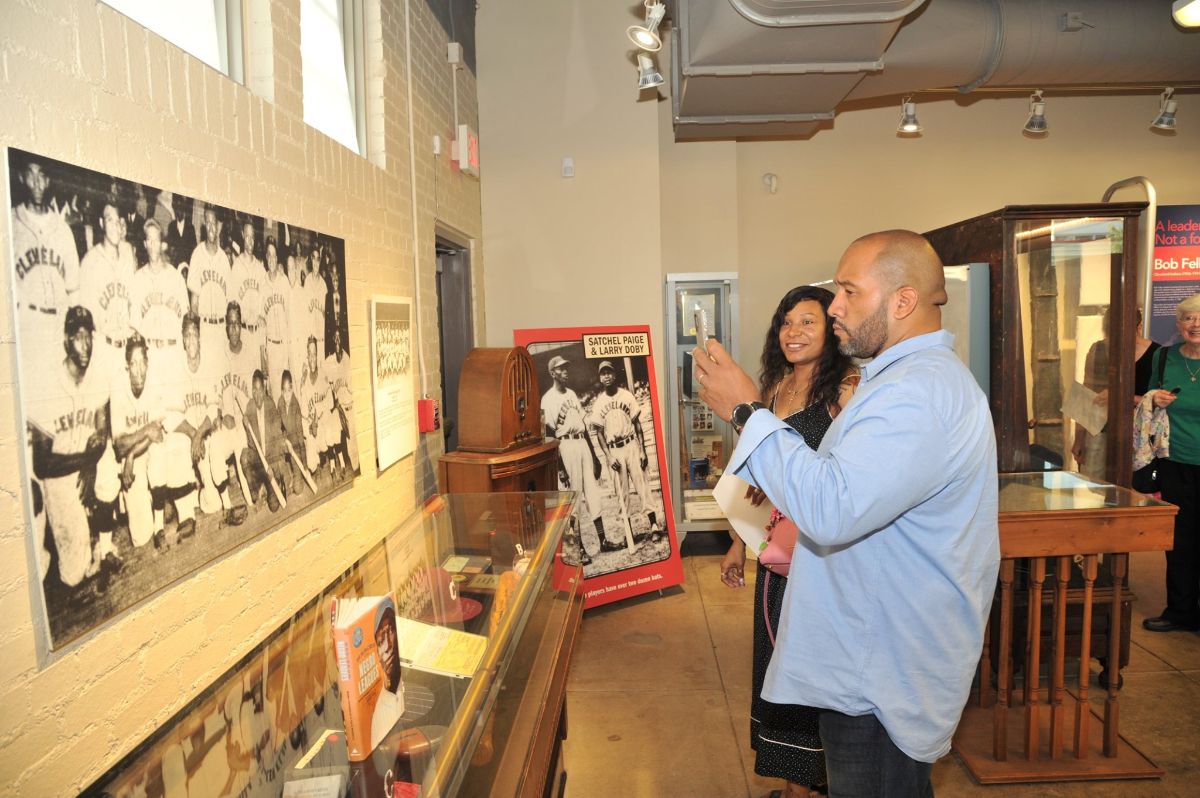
(831, 367)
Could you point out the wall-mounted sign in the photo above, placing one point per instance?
(1176, 262)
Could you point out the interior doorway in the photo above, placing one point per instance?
(456, 327)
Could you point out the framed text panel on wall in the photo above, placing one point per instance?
(392, 378)
(183, 374)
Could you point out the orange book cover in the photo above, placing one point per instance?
(368, 662)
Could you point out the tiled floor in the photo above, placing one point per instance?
(659, 697)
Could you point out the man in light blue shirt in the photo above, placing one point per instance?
(893, 575)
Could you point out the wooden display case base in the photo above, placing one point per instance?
(973, 744)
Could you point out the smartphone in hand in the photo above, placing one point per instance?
(700, 316)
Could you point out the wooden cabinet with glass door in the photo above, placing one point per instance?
(1063, 285)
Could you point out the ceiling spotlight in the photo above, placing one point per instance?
(909, 126)
(1036, 126)
(1166, 111)
(1186, 12)
(648, 74)
(646, 36)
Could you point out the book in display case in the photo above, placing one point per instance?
(460, 595)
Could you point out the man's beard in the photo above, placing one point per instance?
(868, 338)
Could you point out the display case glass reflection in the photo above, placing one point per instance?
(1063, 268)
(688, 299)
(469, 568)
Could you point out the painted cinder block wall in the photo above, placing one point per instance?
(81, 83)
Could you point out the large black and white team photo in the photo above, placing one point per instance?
(184, 379)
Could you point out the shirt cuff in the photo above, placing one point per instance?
(762, 423)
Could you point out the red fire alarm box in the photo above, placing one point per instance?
(429, 415)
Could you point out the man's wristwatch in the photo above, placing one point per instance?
(742, 413)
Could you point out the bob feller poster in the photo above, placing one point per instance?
(184, 381)
(600, 400)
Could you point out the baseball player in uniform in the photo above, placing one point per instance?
(152, 443)
(234, 389)
(263, 458)
(276, 306)
(298, 276)
(292, 420)
(69, 428)
(47, 263)
(563, 417)
(160, 299)
(105, 285)
(322, 431)
(106, 290)
(200, 415)
(333, 300)
(208, 281)
(137, 425)
(246, 288)
(337, 371)
(616, 417)
(315, 303)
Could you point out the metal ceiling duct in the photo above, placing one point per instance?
(771, 68)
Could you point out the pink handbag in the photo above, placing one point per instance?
(776, 555)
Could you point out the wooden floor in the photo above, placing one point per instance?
(659, 698)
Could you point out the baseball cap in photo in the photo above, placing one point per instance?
(605, 364)
(557, 361)
(78, 316)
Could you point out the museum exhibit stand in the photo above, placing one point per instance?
(1056, 526)
(1063, 302)
(484, 643)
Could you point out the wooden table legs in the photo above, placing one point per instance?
(1016, 734)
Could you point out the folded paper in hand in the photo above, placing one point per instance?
(1085, 406)
(767, 533)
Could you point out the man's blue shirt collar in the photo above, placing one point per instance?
(906, 347)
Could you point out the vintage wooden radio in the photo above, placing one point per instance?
(499, 405)
(500, 445)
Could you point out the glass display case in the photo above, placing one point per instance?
(468, 678)
(1063, 304)
(699, 442)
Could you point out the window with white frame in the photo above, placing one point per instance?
(331, 49)
(211, 31)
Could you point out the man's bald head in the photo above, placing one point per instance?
(904, 258)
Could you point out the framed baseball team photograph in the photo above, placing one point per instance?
(183, 380)
(599, 399)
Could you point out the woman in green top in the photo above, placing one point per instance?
(1180, 479)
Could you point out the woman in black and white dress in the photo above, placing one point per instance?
(805, 381)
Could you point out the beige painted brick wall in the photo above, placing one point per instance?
(81, 83)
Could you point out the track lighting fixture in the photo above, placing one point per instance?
(646, 36)
(648, 74)
(1166, 111)
(909, 126)
(1186, 13)
(1036, 125)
